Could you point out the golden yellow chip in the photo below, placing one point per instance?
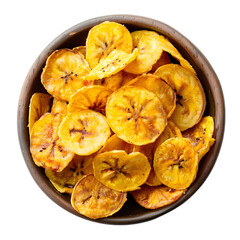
(136, 115)
(63, 74)
(127, 77)
(59, 106)
(104, 38)
(94, 200)
(191, 101)
(46, 148)
(148, 44)
(121, 171)
(84, 132)
(116, 61)
(201, 136)
(80, 49)
(39, 105)
(163, 60)
(65, 180)
(163, 91)
(176, 163)
(90, 97)
(156, 197)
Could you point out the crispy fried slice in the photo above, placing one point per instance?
(46, 148)
(164, 92)
(94, 200)
(39, 105)
(80, 49)
(163, 60)
(127, 77)
(104, 38)
(156, 197)
(121, 171)
(201, 136)
(65, 180)
(191, 101)
(176, 163)
(84, 132)
(59, 106)
(63, 74)
(116, 61)
(90, 97)
(136, 115)
(148, 44)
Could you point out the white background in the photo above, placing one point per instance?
(26, 28)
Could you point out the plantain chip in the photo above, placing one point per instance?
(127, 77)
(163, 91)
(116, 61)
(201, 136)
(63, 73)
(136, 115)
(59, 106)
(148, 44)
(176, 163)
(84, 132)
(191, 101)
(46, 147)
(90, 97)
(151, 197)
(103, 38)
(121, 171)
(65, 180)
(163, 60)
(39, 105)
(80, 49)
(94, 200)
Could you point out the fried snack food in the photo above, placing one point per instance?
(63, 73)
(136, 115)
(84, 132)
(94, 200)
(104, 38)
(39, 105)
(176, 163)
(191, 100)
(152, 197)
(80, 49)
(47, 149)
(59, 106)
(90, 97)
(163, 60)
(121, 171)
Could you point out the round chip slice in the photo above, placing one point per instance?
(90, 97)
(46, 148)
(121, 171)
(191, 101)
(156, 197)
(80, 49)
(104, 38)
(136, 115)
(63, 74)
(39, 105)
(65, 180)
(94, 200)
(176, 163)
(163, 60)
(59, 106)
(163, 91)
(84, 132)
(148, 44)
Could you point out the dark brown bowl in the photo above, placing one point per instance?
(75, 36)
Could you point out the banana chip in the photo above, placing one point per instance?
(104, 38)
(116, 61)
(176, 163)
(148, 44)
(63, 74)
(136, 115)
(39, 105)
(80, 49)
(121, 171)
(84, 132)
(156, 197)
(201, 136)
(59, 106)
(191, 101)
(90, 97)
(94, 200)
(65, 180)
(163, 60)
(163, 91)
(47, 149)
(127, 77)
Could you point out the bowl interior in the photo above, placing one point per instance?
(76, 36)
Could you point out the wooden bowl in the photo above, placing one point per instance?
(75, 36)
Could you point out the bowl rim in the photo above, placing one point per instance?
(144, 22)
